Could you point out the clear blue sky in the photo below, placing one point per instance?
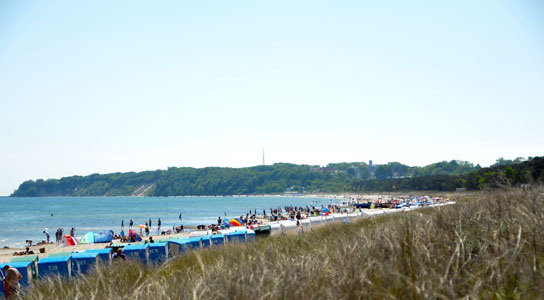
(105, 86)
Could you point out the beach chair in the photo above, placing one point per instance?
(206, 241)
(52, 266)
(177, 247)
(25, 268)
(138, 252)
(158, 252)
(83, 262)
(236, 237)
(104, 255)
(29, 258)
(218, 239)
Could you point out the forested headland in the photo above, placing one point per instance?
(284, 177)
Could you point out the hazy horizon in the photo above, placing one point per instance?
(101, 87)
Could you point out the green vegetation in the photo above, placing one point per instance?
(279, 178)
(531, 171)
(487, 246)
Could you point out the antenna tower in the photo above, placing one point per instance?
(263, 156)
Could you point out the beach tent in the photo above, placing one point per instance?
(2, 290)
(158, 252)
(52, 266)
(275, 228)
(226, 223)
(237, 236)
(88, 238)
(105, 236)
(29, 258)
(103, 254)
(68, 240)
(83, 262)
(217, 239)
(316, 220)
(24, 267)
(288, 226)
(206, 241)
(326, 210)
(306, 224)
(182, 245)
(263, 230)
(137, 251)
(236, 222)
(132, 233)
(250, 235)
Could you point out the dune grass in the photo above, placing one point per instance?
(488, 246)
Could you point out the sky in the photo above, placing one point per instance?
(114, 86)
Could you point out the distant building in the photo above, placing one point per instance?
(372, 169)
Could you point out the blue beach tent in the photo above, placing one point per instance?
(52, 266)
(103, 254)
(24, 267)
(137, 251)
(105, 236)
(250, 235)
(2, 290)
(206, 241)
(194, 242)
(237, 236)
(83, 262)
(28, 258)
(218, 239)
(158, 252)
(182, 245)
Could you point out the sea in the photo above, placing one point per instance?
(24, 218)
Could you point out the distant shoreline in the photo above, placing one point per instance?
(203, 196)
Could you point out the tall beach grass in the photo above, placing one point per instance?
(489, 246)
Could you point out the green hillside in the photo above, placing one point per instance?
(280, 178)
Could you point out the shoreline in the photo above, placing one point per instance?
(201, 196)
(17, 242)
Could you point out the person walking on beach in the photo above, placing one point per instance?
(159, 226)
(46, 235)
(149, 222)
(122, 224)
(131, 223)
(72, 231)
(12, 281)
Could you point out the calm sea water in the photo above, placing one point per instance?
(24, 219)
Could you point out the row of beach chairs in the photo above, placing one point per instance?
(70, 264)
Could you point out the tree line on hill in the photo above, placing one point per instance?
(284, 177)
(499, 174)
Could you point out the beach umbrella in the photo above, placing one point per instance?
(326, 210)
(141, 226)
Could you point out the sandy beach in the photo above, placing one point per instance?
(6, 254)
